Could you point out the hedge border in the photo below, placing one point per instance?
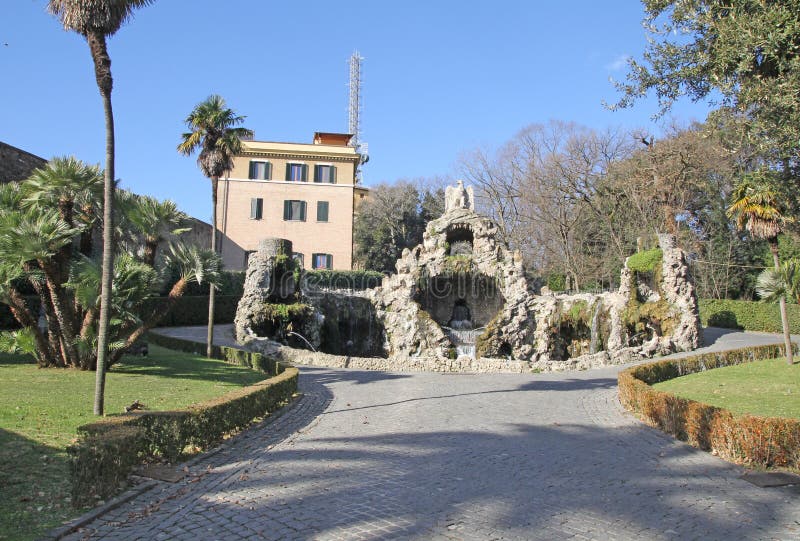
(109, 449)
(744, 439)
(747, 315)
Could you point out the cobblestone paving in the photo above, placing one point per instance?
(369, 455)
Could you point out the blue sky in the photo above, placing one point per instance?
(439, 78)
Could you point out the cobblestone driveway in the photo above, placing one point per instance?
(368, 455)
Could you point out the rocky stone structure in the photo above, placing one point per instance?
(266, 281)
(460, 301)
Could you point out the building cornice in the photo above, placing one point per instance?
(295, 183)
(300, 156)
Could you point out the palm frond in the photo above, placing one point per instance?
(215, 130)
(102, 16)
(19, 341)
(195, 264)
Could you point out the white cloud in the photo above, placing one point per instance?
(618, 63)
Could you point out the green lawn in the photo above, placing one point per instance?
(770, 388)
(40, 410)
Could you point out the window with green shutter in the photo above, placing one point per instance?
(322, 211)
(325, 173)
(294, 210)
(260, 170)
(296, 172)
(256, 208)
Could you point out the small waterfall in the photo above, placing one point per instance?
(595, 326)
(463, 337)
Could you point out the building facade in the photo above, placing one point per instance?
(306, 193)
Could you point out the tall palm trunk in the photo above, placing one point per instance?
(60, 309)
(212, 289)
(102, 70)
(787, 341)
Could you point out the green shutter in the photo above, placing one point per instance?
(328, 261)
(252, 174)
(303, 211)
(322, 211)
(333, 174)
(317, 173)
(287, 210)
(267, 170)
(304, 172)
(253, 208)
(288, 171)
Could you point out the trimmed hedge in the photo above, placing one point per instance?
(188, 310)
(745, 439)
(343, 279)
(193, 310)
(239, 357)
(110, 448)
(747, 315)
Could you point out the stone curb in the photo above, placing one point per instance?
(92, 515)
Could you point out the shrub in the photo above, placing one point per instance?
(646, 261)
(100, 464)
(193, 310)
(556, 282)
(745, 439)
(109, 449)
(747, 315)
(331, 279)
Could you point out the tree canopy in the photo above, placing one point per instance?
(742, 53)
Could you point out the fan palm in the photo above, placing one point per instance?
(154, 221)
(772, 284)
(96, 20)
(193, 264)
(215, 132)
(756, 206)
(29, 240)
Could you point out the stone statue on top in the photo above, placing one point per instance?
(459, 197)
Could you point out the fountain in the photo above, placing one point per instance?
(461, 300)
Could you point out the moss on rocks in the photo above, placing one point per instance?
(646, 261)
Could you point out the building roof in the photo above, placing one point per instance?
(329, 138)
(16, 164)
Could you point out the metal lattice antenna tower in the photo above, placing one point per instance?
(354, 112)
(354, 109)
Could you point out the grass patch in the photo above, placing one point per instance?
(768, 388)
(40, 410)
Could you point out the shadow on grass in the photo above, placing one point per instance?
(171, 364)
(34, 487)
(14, 359)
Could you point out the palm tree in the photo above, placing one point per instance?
(153, 221)
(772, 284)
(193, 265)
(214, 130)
(756, 207)
(95, 21)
